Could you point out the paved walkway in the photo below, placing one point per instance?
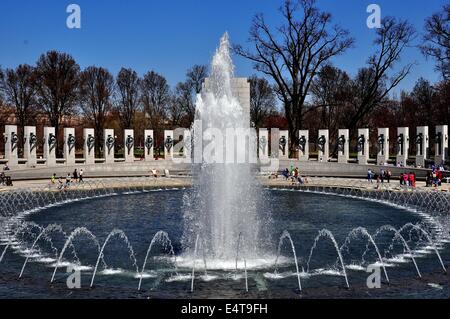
(349, 182)
(186, 181)
(162, 182)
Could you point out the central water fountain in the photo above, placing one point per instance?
(222, 208)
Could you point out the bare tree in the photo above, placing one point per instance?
(424, 96)
(2, 77)
(176, 111)
(96, 88)
(373, 83)
(437, 40)
(58, 76)
(186, 92)
(196, 76)
(331, 95)
(331, 91)
(292, 55)
(4, 113)
(19, 88)
(128, 88)
(155, 98)
(184, 101)
(262, 101)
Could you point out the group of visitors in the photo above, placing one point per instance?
(154, 173)
(435, 177)
(293, 174)
(400, 164)
(75, 177)
(408, 179)
(382, 177)
(5, 180)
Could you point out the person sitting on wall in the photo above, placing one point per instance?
(60, 183)
(295, 175)
(2, 178)
(166, 173)
(274, 175)
(53, 178)
(6, 167)
(68, 180)
(434, 177)
(9, 181)
(286, 173)
(154, 173)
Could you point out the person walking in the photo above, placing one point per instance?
(75, 175)
(405, 179)
(370, 176)
(80, 176)
(411, 179)
(378, 179)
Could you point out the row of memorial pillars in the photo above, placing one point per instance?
(363, 145)
(31, 142)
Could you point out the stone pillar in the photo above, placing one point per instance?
(240, 88)
(110, 142)
(363, 146)
(422, 144)
(129, 145)
(343, 146)
(149, 143)
(69, 145)
(441, 147)
(187, 145)
(263, 144)
(323, 143)
(383, 146)
(11, 144)
(89, 146)
(168, 145)
(402, 145)
(283, 153)
(303, 147)
(30, 144)
(50, 146)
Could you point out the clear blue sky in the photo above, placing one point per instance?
(170, 36)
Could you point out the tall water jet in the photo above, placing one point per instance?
(224, 197)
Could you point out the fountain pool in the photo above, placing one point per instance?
(125, 224)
